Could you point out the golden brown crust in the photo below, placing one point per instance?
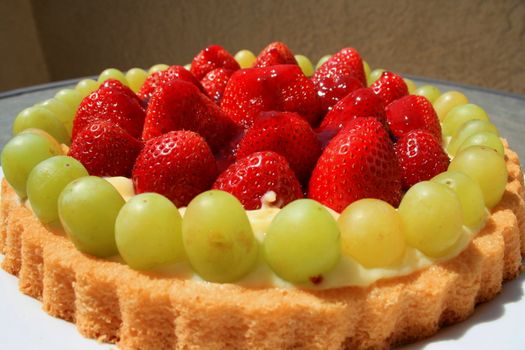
(113, 303)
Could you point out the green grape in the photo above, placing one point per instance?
(86, 86)
(136, 77)
(157, 68)
(376, 74)
(41, 118)
(468, 129)
(62, 111)
(410, 85)
(366, 68)
(371, 233)
(148, 232)
(322, 60)
(187, 66)
(70, 97)
(450, 99)
(484, 138)
(218, 237)
(88, 208)
(459, 115)
(45, 182)
(469, 195)
(54, 143)
(112, 73)
(432, 218)
(21, 154)
(302, 242)
(245, 58)
(432, 93)
(305, 64)
(487, 168)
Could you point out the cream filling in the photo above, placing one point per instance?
(347, 272)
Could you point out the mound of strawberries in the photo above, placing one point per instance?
(266, 128)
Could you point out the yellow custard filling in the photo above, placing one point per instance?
(348, 272)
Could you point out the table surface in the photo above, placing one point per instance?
(506, 110)
(494, 325)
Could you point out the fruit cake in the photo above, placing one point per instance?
(259, 203)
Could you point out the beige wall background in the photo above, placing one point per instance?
(467, 41)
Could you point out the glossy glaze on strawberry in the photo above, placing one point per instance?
(345, 62)
(274, 54)
(420, 157)
(274, 88)
(359, 162)
(112, 102)
(251, 177)
(179, 105)
(411, 113)
(164, 76)
(105, 149)
(215, 81)
(178, 165)
(212, 57)
(390, 87)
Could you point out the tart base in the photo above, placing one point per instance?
(112, 303)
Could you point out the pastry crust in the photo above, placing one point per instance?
(112, 303)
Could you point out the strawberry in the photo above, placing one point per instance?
(215, 82)
(251, 177)
(210, 58)
(162, 77)
(111, 102)
(360, 103)
(285, 133)
(390, 87)
(178, 165)
(332, 88)
(179, 105)
(410, 113)
(420, 157)
(274, 54)
(358, 163)
(105, 149)
(275, 88)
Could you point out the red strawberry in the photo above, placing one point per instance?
(287, 134)
(274, 54)
(275, 88)
(251, 177)
(358, 163)
(178, 165)
(164, 76)
(360, 103)
(210, 58)
(114, 103)
(105, 149)
(410, 113)
(179, 105)
(390, 87)
(420, 157)
(332, 88)
(215, 82)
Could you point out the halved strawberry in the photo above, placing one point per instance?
(251, 177)
(410, 113)
(274, 54)
(275, 88)
(105, 149)
(390, 87)
(420, 157)
(358, 104)
(215, 82)
(212, 57)
(164, 76)
(111, 102)
(358, 163)
(179, 105)
(178, 165)
(285, 133)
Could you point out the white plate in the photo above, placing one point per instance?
(497, 324)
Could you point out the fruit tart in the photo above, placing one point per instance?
(247, 202)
